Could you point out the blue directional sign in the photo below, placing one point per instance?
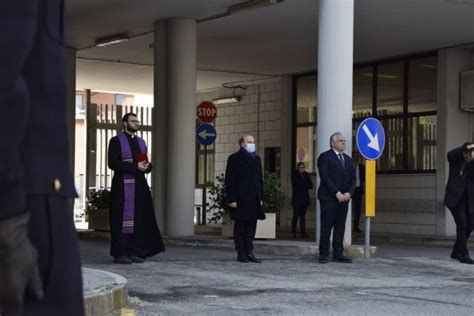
(370, 138)
(206, 134)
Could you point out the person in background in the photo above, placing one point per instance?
(359, 190)
(301, 184)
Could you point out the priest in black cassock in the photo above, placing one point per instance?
(134, 232)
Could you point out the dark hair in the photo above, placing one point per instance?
(299, 164)
(126, 116)
(241, 140)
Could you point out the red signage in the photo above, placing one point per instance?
(206, 112)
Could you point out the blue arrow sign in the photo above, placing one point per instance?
(206, 134)
(370, 138)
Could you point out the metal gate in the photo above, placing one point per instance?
(104, 121)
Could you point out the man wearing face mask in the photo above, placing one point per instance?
(244, 188)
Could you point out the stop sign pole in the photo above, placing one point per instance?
(206, 112)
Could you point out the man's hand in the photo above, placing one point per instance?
(142, 165)
(233, 205)
(340, 197)
(19, 272)
(347, 196)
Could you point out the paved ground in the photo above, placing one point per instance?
(405, 280)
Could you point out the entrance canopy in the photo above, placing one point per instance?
(258, 42)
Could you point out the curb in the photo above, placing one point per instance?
(104, 292)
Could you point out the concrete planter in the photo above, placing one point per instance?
(266, 229)
(99, 220)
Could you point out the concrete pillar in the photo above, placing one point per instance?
(453, 126)
(335, 62)
(286, 119)
(174, 125)
(71, 102)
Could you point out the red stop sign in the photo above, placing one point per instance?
(206, 112)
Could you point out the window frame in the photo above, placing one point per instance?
(405, 115)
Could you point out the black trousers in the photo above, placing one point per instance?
(299, 211)
(333, 216)
(464, 225)
(53, 233)
(357, 205)
(244, 234)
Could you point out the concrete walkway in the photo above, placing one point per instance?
(403, 280)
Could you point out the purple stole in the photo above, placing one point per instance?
(129, 183)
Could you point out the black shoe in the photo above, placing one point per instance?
(251, 258)
(357, 230)
(242, 258)
(136, 259)
(306, 236)
(466, 259)
(343, 259)
(323, 259)
(456, 256)
(122, 260)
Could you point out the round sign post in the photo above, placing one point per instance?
(371, 142)
(206, 134)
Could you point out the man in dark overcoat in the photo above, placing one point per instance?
(244, 188)
(301, 184)
(459, 198)
(134, 231)
(359, 172)
(336, 172)
(39, 256)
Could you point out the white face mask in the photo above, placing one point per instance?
(250, 148)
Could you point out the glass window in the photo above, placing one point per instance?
(422, 84)
(362, 90)
(119, 99)
(392, 157)
(422, 143)
(390, 89)
(306, 146)
(306, 99)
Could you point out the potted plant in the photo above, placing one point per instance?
(273, 201)
(97, 210)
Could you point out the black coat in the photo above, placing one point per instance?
(300, 184)
(35, 171)
(334, 177)
(461, 179)
(244, 185)
(361, 175)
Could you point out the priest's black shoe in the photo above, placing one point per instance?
(343, 259)
(242, 258)
(251, 258)
(456, 256)
(122, 260)
(136, 259)
(323, 259)
(466, 259)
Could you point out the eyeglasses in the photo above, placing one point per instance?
(135, 121)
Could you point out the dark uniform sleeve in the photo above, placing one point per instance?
(309, 183)
(17, 28)
(115, 159)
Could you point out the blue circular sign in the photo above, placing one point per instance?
(370, 138)
(206, 134)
